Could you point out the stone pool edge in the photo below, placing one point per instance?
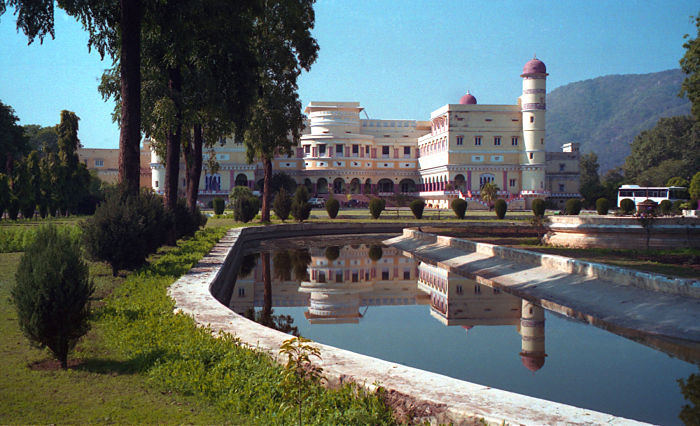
(434, 397)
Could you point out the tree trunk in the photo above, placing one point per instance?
(130, 61)
(172, 154)
(193, 161)
(267, 167)
(266, 314)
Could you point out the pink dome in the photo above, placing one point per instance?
(532, 362)
(467, 99)
(534, 66)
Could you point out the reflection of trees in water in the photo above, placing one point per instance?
(375, 252)
(291, 264)
(690, 388)
(332, 253)
(248, 263)
(283, 323)
(300, 262)
(282, 262)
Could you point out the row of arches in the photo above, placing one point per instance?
(357, 186)
(439, 183)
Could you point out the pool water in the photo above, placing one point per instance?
(355, 294)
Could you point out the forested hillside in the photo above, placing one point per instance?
(604, 114)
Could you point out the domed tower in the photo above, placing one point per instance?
(532, 336)
(467, 99)
(533, 107)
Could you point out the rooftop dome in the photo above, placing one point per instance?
(467, 99)
(532, 362)
(534, 66)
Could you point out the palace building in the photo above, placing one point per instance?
(453, 154)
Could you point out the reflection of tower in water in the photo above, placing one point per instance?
(532, 336)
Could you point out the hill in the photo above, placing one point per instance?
(604, 114)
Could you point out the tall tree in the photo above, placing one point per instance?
(690, 64)
(285, 48)
(590, 187)
(40, 138)
(13, 143)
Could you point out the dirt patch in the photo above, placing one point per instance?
(53, 365)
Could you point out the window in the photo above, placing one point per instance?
(562, 166)
(512, 182)
(321, 149)
(339, 277)
(385, 275)
(156, 185)
(460, 140)
(407, 152)
(367, 150)
(355, 277)
(406, 275)
(241, 292)
(385, 151)
(496, 140)
(355, 150)
(99, 163)
(514, 141)
(561, 187)
(321, 276)
(532, 155)
(339, 149)
(532, 119)
(477, 140)
(307, 149)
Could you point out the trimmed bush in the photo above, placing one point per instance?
(459, 206)
(627, 206)
(301, 209)
(602, 206)
(500, 207)
(52, 293)
(219, 205)
(332, 207)
(186, 221)
(417, 207)
(376, 207)
(246, 208)
(239, 192)
(676, 206)
(282, 204)
(538, 207)
(665, 206)
(573, 206)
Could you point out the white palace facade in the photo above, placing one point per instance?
(453, 154)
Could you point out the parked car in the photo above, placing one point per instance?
(317, 202)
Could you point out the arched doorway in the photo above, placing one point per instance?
(322, 186)
(355, 186)
(460, 184)
(368, 186)
(386, 185)
(338, 186)
(241, 180)
(309, 186)
(407, 185)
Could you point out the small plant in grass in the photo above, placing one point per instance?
(332, 207)
(602, 206)
(52, 294)
(417, 207)
(376, 207)
(627, 206)
(459, 206)
(538, 207)
(573, 206)
(282, 204)
(500, 207)
(219, 205)
(300, 373)
(301, 209)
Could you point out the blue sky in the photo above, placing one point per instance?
(399, 59)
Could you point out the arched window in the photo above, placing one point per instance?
(322, 186)
(241, 180)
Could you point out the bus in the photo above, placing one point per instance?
(638, 193)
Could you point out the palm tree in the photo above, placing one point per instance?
(489, 192)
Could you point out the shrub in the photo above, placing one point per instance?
(665, 207)
(301, 209)
(417, 207)
(245, 208)
(538, 207)
(501, 207)
(219, 205)
(602, 206)
(676, 207)
(282, 204)
(239, 192)
(376, 207)
(332, 207)
(126, 228)
(12, 207)
(459, 206)
(627, 206)
(573, 206)
(186, 221)
(52, 293)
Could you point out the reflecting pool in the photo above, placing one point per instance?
(356, 294)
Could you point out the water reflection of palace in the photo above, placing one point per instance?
(455, 300)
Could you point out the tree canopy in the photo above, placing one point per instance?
(690, 64)
(13, 143)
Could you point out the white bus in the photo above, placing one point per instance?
(638, 193)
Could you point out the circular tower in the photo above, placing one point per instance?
(532, 335)
(533, 108)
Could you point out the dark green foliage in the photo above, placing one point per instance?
(282, 204)
(332, 207)
(690, 388)
(4, 193)
(591, 189)
(301, 209)
(126, 228)
(604, 114)
(376, 207)
(246, 208)
(627, 206)
(677, 181)
(13, 207)
(538, 207)
(219, 205)
(332, 253)
(281, 180)
(665, 206)
(375, 252)
(459, 206)
(676, 209)
(52, 292)
(239, 192)
(500, 207)
(13, 143)
(602, 206)
(690, 64)
(186, 221)
(694, 188)
(573, 206)
(417, 207)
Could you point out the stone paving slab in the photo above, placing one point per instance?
(440, 399)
